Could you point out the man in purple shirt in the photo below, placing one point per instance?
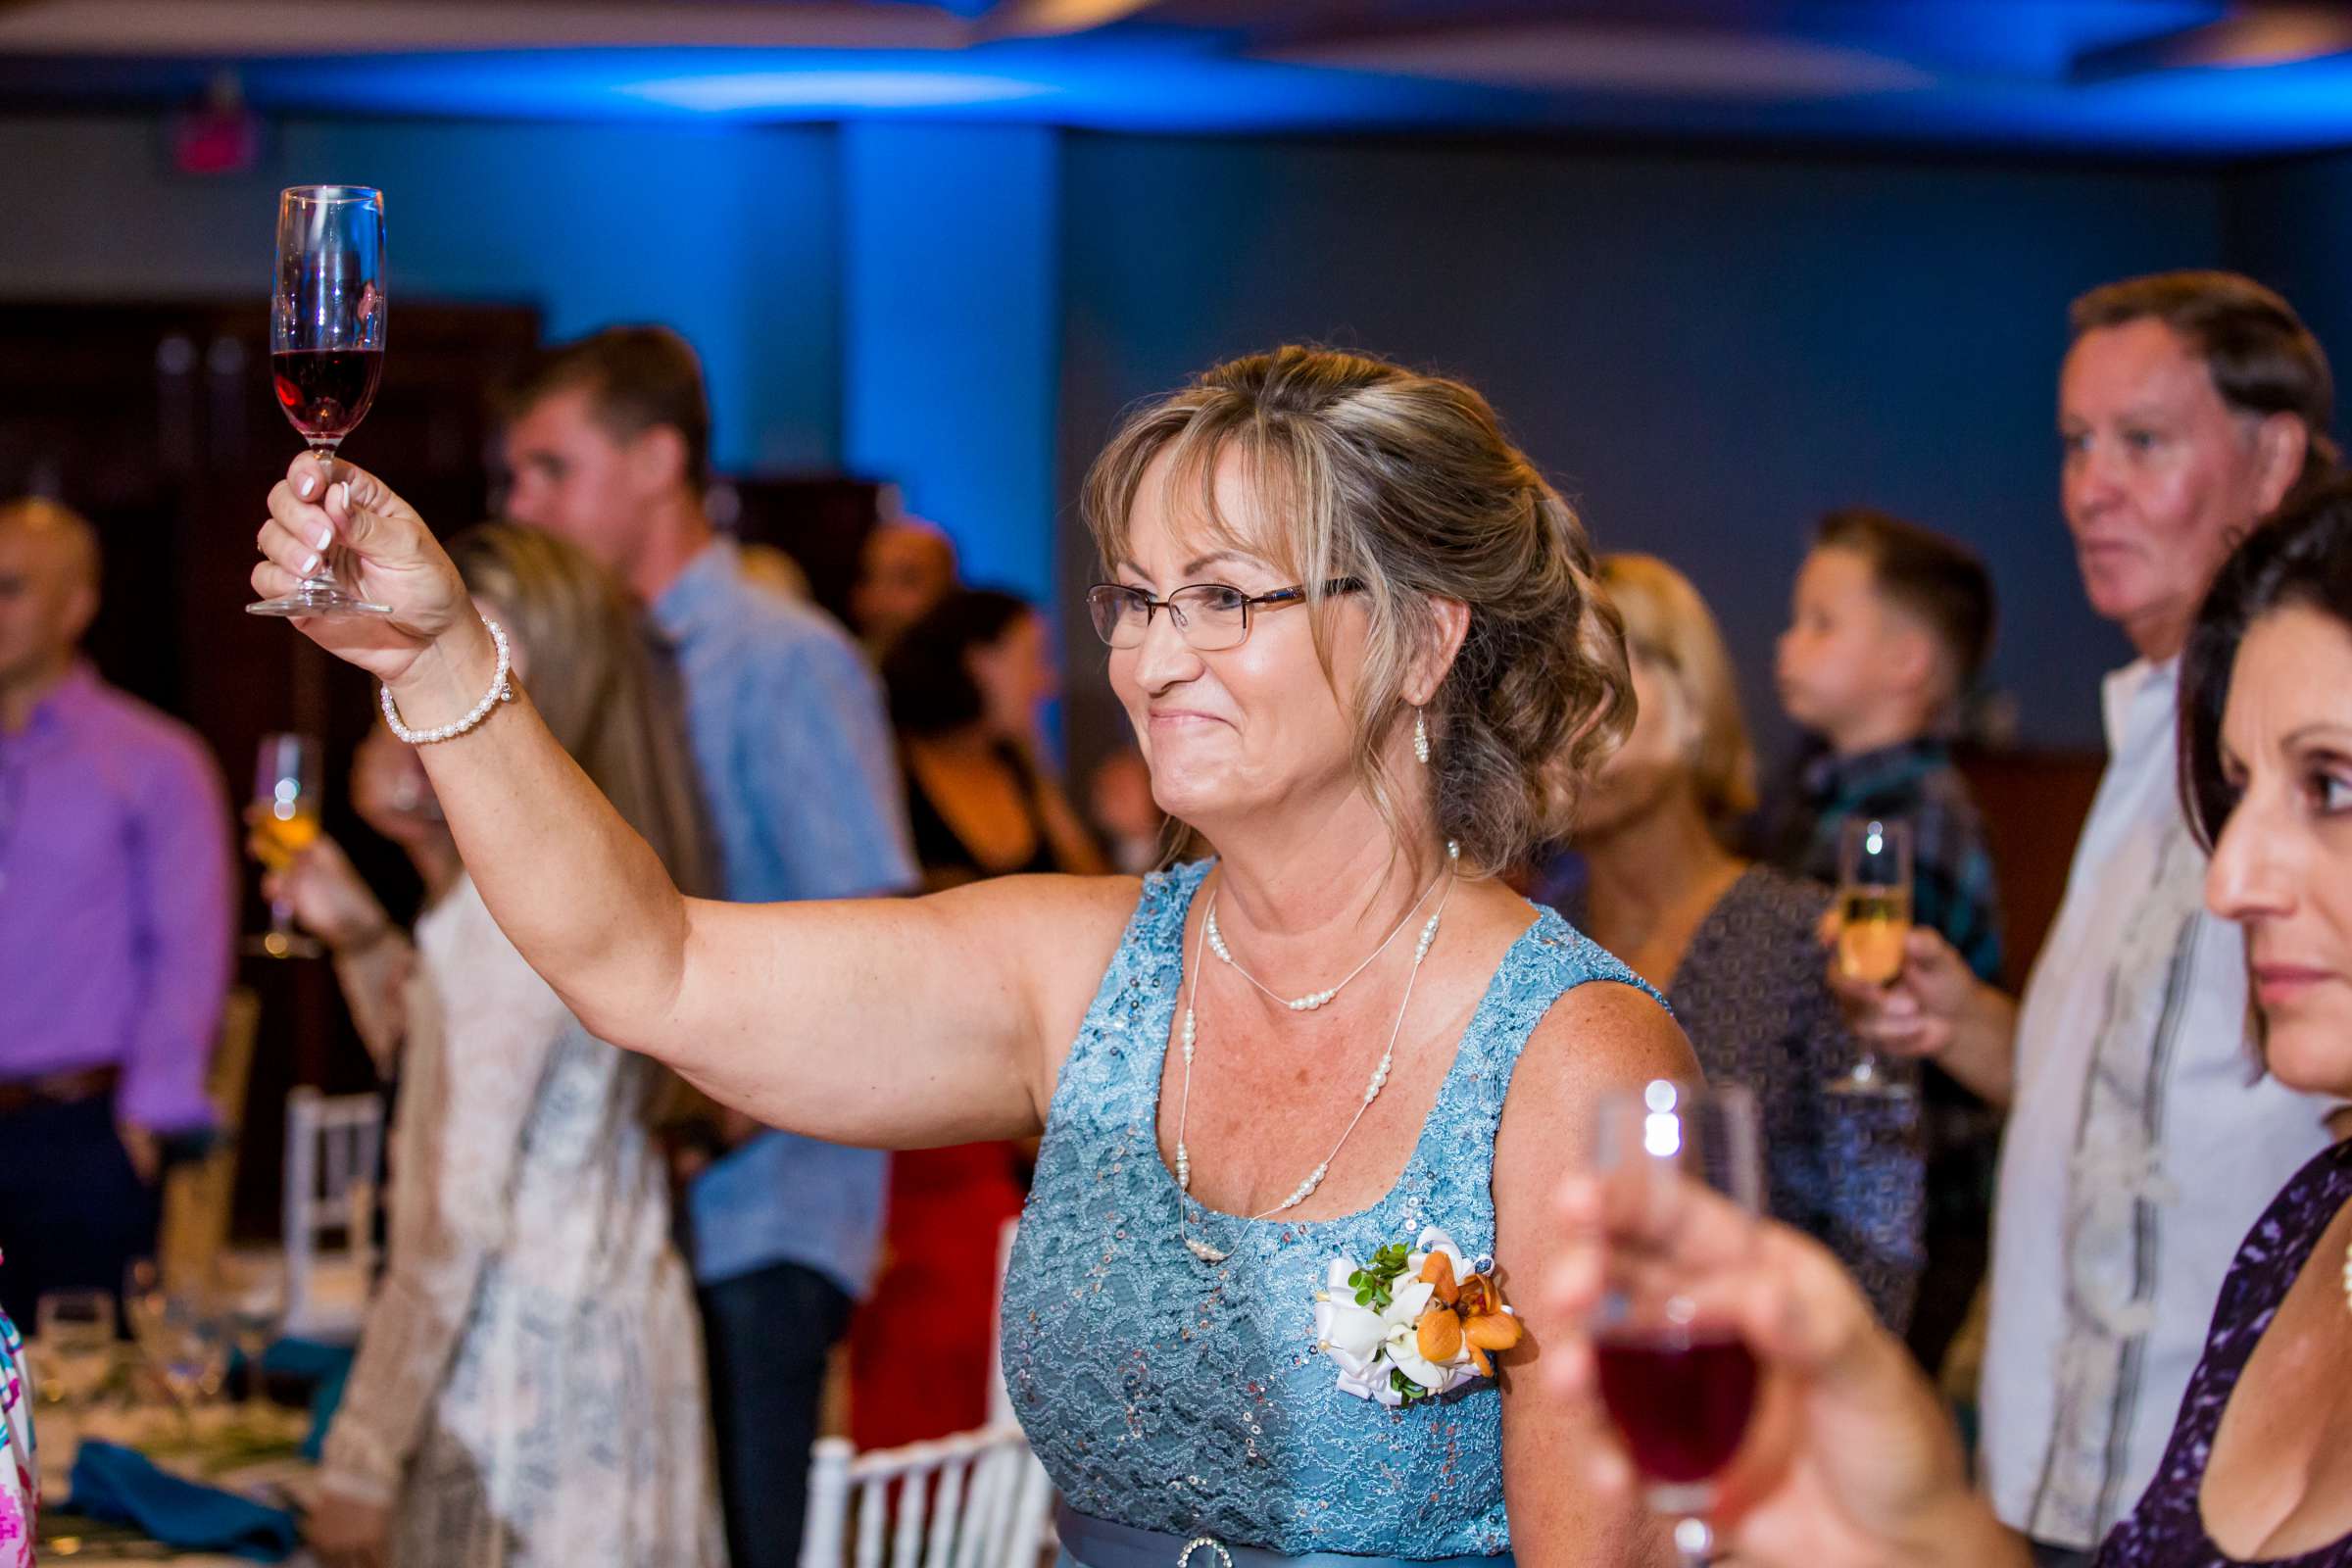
(116, 900)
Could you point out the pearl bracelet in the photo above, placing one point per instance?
(500, 692)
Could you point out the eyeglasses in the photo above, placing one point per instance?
(1208, 615)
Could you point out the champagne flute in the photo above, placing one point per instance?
(1874, 919)
(284, 818)
(1678, 1388)
(327, 345)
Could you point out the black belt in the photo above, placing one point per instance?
(58, 1089)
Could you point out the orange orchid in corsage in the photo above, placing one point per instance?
(1412, 1323)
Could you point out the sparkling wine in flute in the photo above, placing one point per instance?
(284, 821)
(277, 839)
(327, 345)
(1872, 923)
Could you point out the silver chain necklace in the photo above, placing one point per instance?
(1380, 1075)
(1318, 998)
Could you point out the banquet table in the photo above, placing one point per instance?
(252, 1453)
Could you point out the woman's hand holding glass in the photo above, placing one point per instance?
(328, 897)
(1850, 1462)
(432, 644)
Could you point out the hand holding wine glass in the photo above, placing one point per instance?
(392, 559)
(1851, 1461)
(327, 896)
(1916, 1013)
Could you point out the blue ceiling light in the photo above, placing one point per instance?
(2146, 78)
(742, 92)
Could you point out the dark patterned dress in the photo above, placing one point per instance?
(2168, 1529)
(1751, 992)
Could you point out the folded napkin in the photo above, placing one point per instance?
(124, 1487)
(327, 1368)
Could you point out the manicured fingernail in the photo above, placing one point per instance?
(305, 486)
(311, 564)
(326, 537)
(345, 497)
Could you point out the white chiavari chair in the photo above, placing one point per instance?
(334, 1147)
(977, 1499)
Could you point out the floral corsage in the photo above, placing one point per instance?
(1412, 1323)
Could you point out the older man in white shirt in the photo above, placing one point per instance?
(2141, 1142)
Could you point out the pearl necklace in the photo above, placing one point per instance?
(1380, 1076)
(1318, 998)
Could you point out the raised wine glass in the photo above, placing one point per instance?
(284, 818)
(1678, 1388)
(327, 345)
(1874, 919)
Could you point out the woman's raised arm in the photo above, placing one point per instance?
(888, 1022)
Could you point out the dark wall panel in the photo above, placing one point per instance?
(1705, 353)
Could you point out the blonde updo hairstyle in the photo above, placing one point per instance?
(1669, 627)
(1406, 482)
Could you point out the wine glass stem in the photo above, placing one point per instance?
(324, 577)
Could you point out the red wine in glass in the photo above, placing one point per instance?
(1678, 1389)
(325, 391)
(326, 346)
(1680, 1402)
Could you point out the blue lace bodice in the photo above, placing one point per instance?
(1176, 1395)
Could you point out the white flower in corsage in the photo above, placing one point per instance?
(1410, 1325)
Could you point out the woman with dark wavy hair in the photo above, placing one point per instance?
(1354, 628)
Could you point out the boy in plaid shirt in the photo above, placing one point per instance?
(1888, 630)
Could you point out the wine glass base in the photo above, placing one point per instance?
(281, 945)
(327, 601)
(1861, 1085)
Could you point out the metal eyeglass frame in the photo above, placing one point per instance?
(1250, 603)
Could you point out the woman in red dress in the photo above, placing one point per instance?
(967, 685)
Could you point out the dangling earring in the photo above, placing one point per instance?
(1421, 737)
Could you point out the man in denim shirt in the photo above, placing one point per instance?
(608, 445)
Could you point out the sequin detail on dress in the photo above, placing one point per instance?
(19, 1490)
(2168, 1528)
(1172, 1394)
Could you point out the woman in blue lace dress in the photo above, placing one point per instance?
(2258, 1469)
(1353, 626)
